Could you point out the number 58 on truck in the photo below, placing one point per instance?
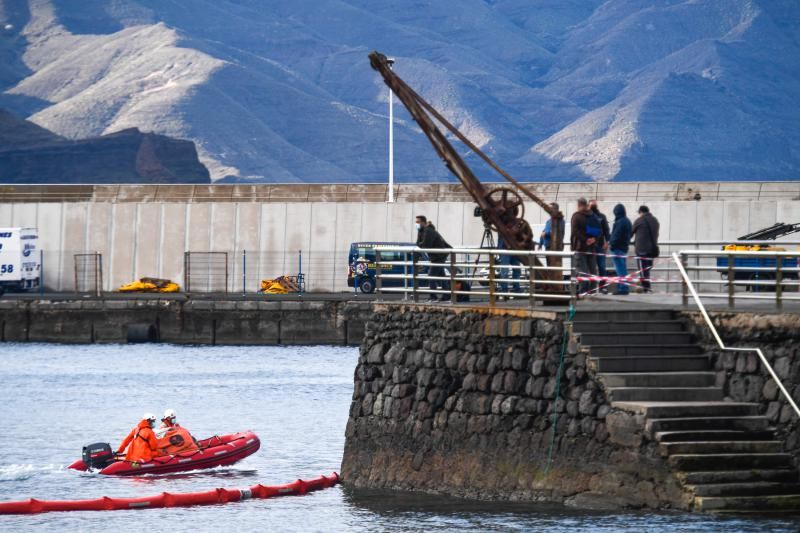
(20, 261)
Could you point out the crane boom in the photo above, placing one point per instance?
(502, 207)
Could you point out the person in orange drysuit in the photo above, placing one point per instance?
(168, 421)
(172, 438)
(142, 440)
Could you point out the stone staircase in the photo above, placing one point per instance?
(722, 452)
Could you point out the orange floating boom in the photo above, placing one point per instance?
(167, 499)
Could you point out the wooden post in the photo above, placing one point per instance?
(573, 282)
(531, 284)
(491, 279)
(556, 240)
(779, 282)
(378, 272)
(405, 276)
(414, 295)
(731, 286)
(453, 295)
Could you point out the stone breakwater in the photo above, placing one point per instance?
(744, 377)
(461, 402)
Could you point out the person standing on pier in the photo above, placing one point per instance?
(428, 237)
(509, 262)
(601, 246)
(619, 243)
(645, 243)
(583, 245)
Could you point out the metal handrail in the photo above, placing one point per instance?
(732, 242)
(696, 297)
(468, 250)
(748, 276)
(412, 262)
(714, 253)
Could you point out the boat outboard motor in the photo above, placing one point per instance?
(98, 456)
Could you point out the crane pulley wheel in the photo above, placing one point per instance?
(508, 205)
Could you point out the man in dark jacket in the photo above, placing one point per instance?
(428, 237)
(601, 246)
(645, 243)
(618, 244)
(583, 245)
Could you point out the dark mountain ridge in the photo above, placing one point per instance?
(31, 154)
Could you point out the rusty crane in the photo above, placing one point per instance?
(502, 208)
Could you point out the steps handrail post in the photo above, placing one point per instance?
(721, 344)
(684, 288)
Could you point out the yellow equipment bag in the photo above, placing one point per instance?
(150, 285)
(270, 286)
(279, 285)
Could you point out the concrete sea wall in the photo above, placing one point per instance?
(183, 321)
(462, 403)
(144, 230)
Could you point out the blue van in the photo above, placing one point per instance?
(365, 281)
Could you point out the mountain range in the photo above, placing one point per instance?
(282, 91)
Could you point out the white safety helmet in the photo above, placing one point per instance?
(170, 414)
(150, 417)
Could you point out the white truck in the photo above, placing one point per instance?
(20, 260)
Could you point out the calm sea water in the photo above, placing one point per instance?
(56, 398)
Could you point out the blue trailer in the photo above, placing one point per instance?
(754, 268)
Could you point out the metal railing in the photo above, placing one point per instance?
(765, 275)
(700, 260)
(330, 270)
(462, 276)
(705, 270)
(724, 274)
(696, 297)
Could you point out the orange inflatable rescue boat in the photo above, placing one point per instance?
(183, 454)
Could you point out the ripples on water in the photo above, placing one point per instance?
(56, 398)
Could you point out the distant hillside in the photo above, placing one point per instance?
(31, 154)
(282, 91)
